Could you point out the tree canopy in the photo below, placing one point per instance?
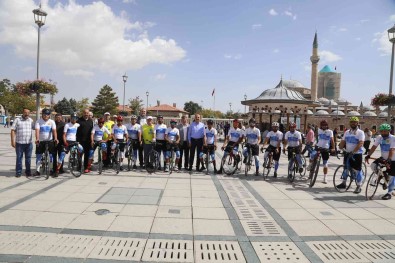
(12, 101)
(105, 101)
(192, 107)
(135, 104)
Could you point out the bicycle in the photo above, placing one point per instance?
(45, 161)
(268, 163)
(206, 157)
(315, 165)
(75, 160)
(378, 177)
(117, 156)
(131, 158)
(248, 159)
(153, 160)
(99, 157)
(172, 159)
(347, 170)
(293, 165)
(231, 161)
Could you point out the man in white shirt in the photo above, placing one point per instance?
(160, 130)
(97, 135)
(120, 136)
(45, 133)
(253, 139)
(293, 139)
(134, 132)
(183, 127)
(172, 137)
(274, 138)
(209, 144)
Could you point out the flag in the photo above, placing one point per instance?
(212, 93)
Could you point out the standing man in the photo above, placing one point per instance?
(148, 133)
(21, 140)
(195, 141)
(183, 127)
(59, 147)
(142, 119)
(368, 137)
(84, 137)
(160, 130)
(108, 123)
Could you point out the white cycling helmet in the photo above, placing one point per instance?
(275, 124)
(133, 117)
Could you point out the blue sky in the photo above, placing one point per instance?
(182, 50)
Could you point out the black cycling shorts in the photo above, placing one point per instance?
(355, 161)
(40, 148)
(254, 149)
(276, 156)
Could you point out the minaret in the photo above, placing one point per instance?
(314, 69)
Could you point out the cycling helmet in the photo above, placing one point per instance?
(323, 123)
(173, 121)
(133, 117)
(74, 115)
(46, 112)
(292, 125)
(385, 127)
(100, 120)
(210, 121)
(354, 118)
(252, 120)
(119, 118)
(275, 124)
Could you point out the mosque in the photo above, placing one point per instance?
(290, 101)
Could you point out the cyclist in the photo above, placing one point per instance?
(353, 140)
(160, 130)
(45, 132)
(253, 139)
(119, 134)
(172, 137)
(293, 139)
(148, 133)
(232, 141)
(387, 146)
(134, 132)
(274, 137)
(325, 141)
(97, 135)
(108, 123)
(70, 138)
(209, 141)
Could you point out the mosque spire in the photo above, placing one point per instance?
(314, 69)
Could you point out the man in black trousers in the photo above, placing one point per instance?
(183, 127)
(142, 119)
(195, 140)
(84, 137)
(59, 147)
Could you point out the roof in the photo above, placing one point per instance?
(120, 108)
(292, 84)
(281, 92)
(315, 42)
(327, 69)
(165, 107)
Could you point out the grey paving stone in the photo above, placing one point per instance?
(114, 199)
(121, 191)
(42, 259)
(13, 258)
(144, 200)
(148, 192)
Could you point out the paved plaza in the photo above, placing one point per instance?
(182, 217)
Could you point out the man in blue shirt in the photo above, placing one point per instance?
(195, 141)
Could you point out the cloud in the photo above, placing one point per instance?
(160, 76)
(80, 39)
(256, 26)
(384, 46)
(328, 56)
(358, 39)
(129, 2)
(79, 73)
(276, 50)
(343, 29)
(290, 14)
(363, 21)
(273, 12)
(235, 56)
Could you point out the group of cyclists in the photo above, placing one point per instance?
(107, 134)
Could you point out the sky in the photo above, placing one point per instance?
(181, 50)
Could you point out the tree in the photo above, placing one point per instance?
(82, 104)
(105, 101)
(64, 107)
(12, 101)
(192, 107)
(209, 113)
(135, 104)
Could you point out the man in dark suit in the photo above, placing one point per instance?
(183, 127)
(59, 147)
(84, 137)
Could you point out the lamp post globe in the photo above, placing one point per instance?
(40, 17)
(124, 78)
(147, 94)
(391, 38)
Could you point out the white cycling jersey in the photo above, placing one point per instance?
(274, 137)
(119, 131)
(98, 133)
(235, 134)
(385, 145)
(172, 134)
(71, 131)
(210, 135)
(252, 135)
(352, 139)
(324, 138)
(46, 128)
(293, 138)
(133, 130)
(160, 130)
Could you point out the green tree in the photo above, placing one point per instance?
(135, 104)
(209, 113)
(63, 106)
(82, 104)
(192, 107)
(12, 101)
(105, 101)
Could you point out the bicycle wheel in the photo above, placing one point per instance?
(207, 161)
(365, 170)
(229, 164)
(118, 160)
(99, 160)
(303, 173)
(247, 165)
(46, 164)
(152, 164)
(76, 164)
(292, 172)
(338, 176)
(171, 162)
(314, 169)
(372, 185)
(267, 166)
(130, 154)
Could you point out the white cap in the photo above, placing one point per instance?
(115, 116)
(149, 117)
(107, 113)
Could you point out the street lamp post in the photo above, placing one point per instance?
(245, 105)
(230, 107)
(147, 94)
(391, 37)
(39, 18)
(124, 78)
